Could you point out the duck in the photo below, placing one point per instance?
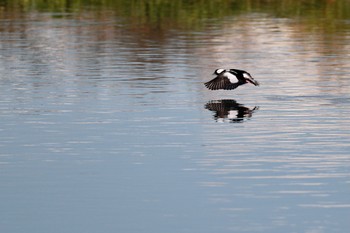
(229, 79)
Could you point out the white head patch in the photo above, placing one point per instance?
(245, 75)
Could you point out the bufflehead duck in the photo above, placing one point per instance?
(230, 79)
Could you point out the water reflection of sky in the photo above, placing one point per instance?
(119, 117)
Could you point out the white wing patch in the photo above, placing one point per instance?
(231, 77)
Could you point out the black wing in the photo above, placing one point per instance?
(220, 82)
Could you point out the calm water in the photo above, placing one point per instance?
(106, 125)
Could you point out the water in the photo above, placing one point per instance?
(106, 125)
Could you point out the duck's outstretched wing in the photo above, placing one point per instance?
(220, 82)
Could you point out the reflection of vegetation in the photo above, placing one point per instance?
(189, 14)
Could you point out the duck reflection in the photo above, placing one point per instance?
(228, 110)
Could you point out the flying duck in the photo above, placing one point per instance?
(230, 79)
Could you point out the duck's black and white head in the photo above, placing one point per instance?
(230, 79)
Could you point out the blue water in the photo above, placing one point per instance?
(105, 129)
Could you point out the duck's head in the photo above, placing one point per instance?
(249, 79)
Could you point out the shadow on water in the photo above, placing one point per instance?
(228, 110)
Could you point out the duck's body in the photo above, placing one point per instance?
(230, 79)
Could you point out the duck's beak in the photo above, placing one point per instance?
(250, 79)
(253, 81)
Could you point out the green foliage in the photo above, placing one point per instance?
(191, 14)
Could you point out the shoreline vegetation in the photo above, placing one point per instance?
(189, 14)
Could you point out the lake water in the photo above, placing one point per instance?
(106, 125)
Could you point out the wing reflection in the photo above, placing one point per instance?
(228, 110)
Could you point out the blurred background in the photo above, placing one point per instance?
(106, 125)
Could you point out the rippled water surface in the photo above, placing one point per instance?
(106, 125)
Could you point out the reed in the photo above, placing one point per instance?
(192, 14)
